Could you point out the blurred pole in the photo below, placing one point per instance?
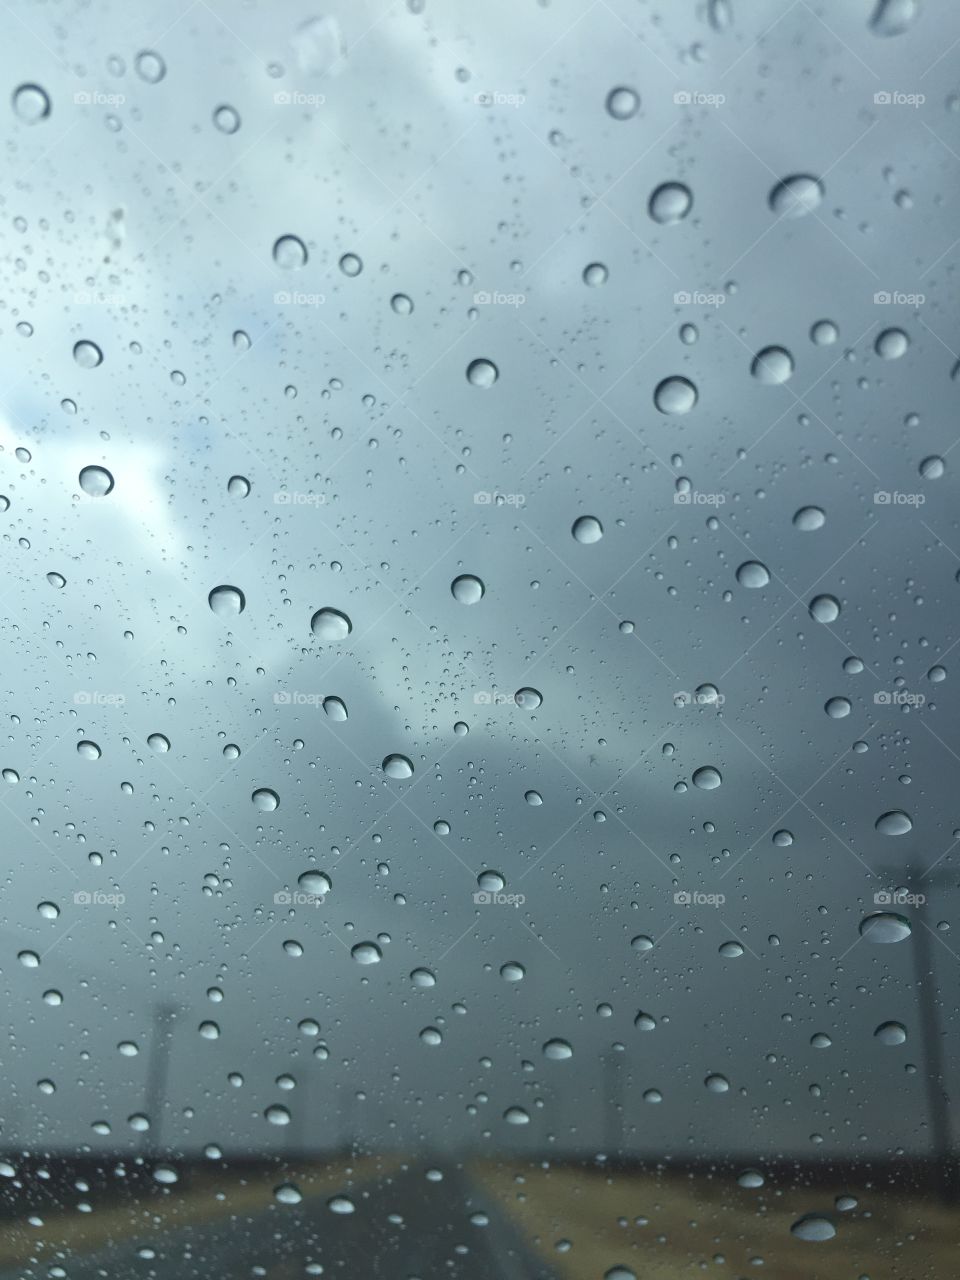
(613, 1104)
(938, 1099)
(155, 1091)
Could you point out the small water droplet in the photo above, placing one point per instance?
(891, 344)
(595, 274)
(893, 17)
(238, 487)
(707, 778)
(807, 519)
(528, 699)
(397, 766)
(158, 742)
(891, 1033)
(265, 799)
(88, 750)
(813, 1227)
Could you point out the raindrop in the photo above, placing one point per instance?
(885, 927)
(96, 482)
(891, 344)
(557, 1050)
(751, 1178)
(772, 365)
(813, 1227)
(512, 971)
(227, 602)
(824, 333)
(401, 304)
(351, 265)
(341, 1204)
(287, 1193)
(265, 800)
(330, 625)
(753, 574)
(533, 798)
(397, 766)
(641, 942)
(796, 196)
(528, 699)
(150, 66)
(87, 354)
(675, 395)
(11, 776)
(731, 950)
(366, 953)
(89, 750)
(335, 708)
(315, 882)
(891, 1033)
(467, 589)
(894, 823)
(516, 1115)
(825, 608)
(158, 742)
(290, 252)
(707, 778)
(423, 978)
(932, 468)
(622, 103)
(31, 104)
(56, 580)
(29, 959)
(431, 1036)
(276, 1114)
(226, 119)
(837, 708)
(491, 882)
(717, 1083)
(482, 373)
(587, 529)
(670, 202)
(238, 486)
(893, 17)
(809, 518)
(595, 274)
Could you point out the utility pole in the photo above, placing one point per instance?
(155, 1090)
(935, 1079)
